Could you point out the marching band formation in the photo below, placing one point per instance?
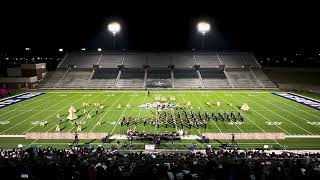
(182, 118)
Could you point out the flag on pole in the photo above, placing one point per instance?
(188, 103)
(128, 106)
(218, 103)
(57, 128)
(119, 106)
(79, 128)
(88, 116)
(58, 116)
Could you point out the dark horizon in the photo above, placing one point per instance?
(260, 28)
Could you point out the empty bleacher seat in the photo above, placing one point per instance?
(186, 78)
(131, 78)
(214, 78)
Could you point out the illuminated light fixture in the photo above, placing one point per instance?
(114, 28)
(60, 50)
(83, 49)
(203, 27)
(27, 49)
(99, 49)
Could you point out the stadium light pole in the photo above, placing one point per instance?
(203, 28)
(114, 28)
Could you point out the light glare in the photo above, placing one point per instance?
(203, 27)
(114, 27)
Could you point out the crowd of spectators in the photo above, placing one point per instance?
(100, 163)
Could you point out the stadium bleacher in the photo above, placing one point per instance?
(159, 78)
(186, 78)
(131, 78)
(110, 60)
(104, 78)
(263, 78)
(208, 60)
(241, 70)
(214, 78)
(75, 79)
(80, 60)
(242, 78)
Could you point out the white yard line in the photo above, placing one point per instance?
(286, 110)
(206, 110)
(257, 125)
(106, 112)
(222, 111)
(144, 99)
(289, 104)
(35, 115)
(125, 109)
(24, 103)
(283, 117)
(184, 100)
(51, 127)
(92, 101)
(52, 99)
(265, 116)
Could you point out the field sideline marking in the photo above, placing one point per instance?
(144, 99)
(289, 104)
(50, 116)
(125, 109)
(23, 104)
(107, 112)
(265, 116)
(184, 100)
(283, 117)
(288, 111)
(51, 127)
(222, 111)
(257, 125)
(31, 109)
(35, 114)
(89, 111)
(206, 110)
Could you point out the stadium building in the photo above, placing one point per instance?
(121, 103)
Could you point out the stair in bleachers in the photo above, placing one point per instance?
(263, 78)
(131, 78)
(214, 78)
(52, 78)
(242, 78)
(75, 79)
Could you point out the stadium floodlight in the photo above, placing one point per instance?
(203, 28)
(99, 49)
(27, 49)
(83, 49)
(60, 50)
(114, 28)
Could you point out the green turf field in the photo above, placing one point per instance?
(267, 113)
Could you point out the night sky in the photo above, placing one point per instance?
(161, 26)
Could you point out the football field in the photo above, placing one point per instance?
(105, 110)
